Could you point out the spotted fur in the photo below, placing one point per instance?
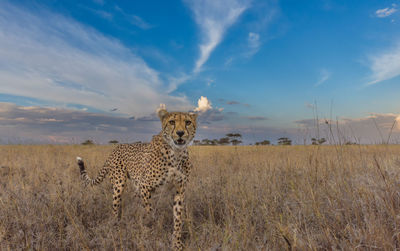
(150, 165)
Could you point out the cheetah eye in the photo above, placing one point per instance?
(172, 122)
(188, 122)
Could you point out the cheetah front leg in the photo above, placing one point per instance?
(177, 209)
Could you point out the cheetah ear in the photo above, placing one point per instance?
(162, 113)
(193, 115)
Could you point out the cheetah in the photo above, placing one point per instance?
(150, 165)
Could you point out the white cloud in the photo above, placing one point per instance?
(324, 75)
(214, 18)
(385, 65)
(53, 58)
(208, 114)
(254, 43)
(203, 105)
(254, 40)
(385, 12)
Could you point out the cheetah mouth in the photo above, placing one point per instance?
(180, 142)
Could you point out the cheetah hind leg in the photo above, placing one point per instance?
(118, 184)
(145, 194)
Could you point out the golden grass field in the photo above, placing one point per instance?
(238, 198)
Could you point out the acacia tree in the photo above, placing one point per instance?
(284, 141)
(320, 141)
(234, 138)
(231, 138)
(263, 143)
(224, 141)
(207, 142)
(88, 142)
(196, 142)
(236, 142)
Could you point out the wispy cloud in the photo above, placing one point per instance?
(134, 19)
(59, 125)
(175, 81)
(374, 128)
(259, 16)
(382, 13)
(101, 13)
(257, 118)
(254, 43)
(120, 13)
(139, 22)
(214, 18)
(210, 82)
(100, 2)
(324, 75)
(385, 65)
(53, 58)
(263, 13)
(234, 102)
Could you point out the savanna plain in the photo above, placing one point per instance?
(238, 198)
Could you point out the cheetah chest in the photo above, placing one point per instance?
(174, 171)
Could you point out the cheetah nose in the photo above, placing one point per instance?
(180, 133)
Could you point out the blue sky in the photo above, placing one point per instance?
(264, 68)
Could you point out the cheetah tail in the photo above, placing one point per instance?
(85, 177)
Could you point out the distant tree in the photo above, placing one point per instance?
(284, 141)
(88, 142)
(224, 141)
(208, 142)
(350, 143)
(236, 142)
(113, 141)
(234, 138)
(231, 138)
(263, 143)
(320, 141)
(196, 142)
(233, 135)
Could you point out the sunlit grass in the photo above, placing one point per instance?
(238, 198)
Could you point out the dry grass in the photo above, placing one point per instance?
(239, 198)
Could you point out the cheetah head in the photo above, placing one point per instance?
(178, 128)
